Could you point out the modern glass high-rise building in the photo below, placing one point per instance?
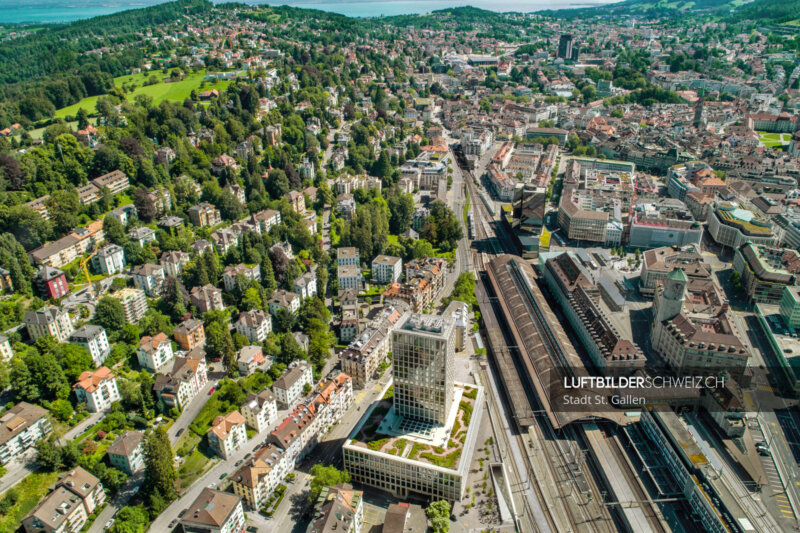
(423, 356)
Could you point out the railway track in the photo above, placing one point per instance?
(486, 246)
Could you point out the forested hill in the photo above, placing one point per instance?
(50, 69)
(766, 11)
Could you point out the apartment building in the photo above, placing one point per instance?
(190, 334)
(173, 263)
(289, 386)
(361, 358)
(154, 353)
(255, 480)
(207, 298)
(65, 250)
(214, 512)
(53, 321)
(227, 434)
(249, 359)
(94, 339)
(338, 508)
(178, 387)
(127, 452)
(254, 324)
(51, 283)
(282, 299)
(98, 389)
(306, 284)
(21, 427)
(386, 269)
(260, 410)
(150, 278)
(349, 277)
(110, 259)
(204, 215)
(347, 256)
(229, 275)
(134, 303)
(68, 506)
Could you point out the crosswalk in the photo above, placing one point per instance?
(775, 487)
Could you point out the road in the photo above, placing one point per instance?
(327, 452)
(135, 482)
(19, 469)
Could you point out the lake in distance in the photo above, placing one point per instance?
(54, 11)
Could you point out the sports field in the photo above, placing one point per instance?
(175, 91)
(774, 139)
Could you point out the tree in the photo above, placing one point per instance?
(159, 472)
(145, 209)
(325, 476)
(131, 520)
(109, 313)
(439, 516)
(114, 231)
(277, 183)
(284, 320)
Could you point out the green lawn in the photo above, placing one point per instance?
(192, 469)
(29, 492)
(176, 92)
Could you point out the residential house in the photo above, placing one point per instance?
(229, 275)
(127, 452)
(21, 427)
(149, 278)
(289, 386)
(53, 321)
(227, 434)
(51, 283)
(110, 259)
(255, 325)
(173, 262)
(155, 353)
(98, 389)
(94, 339)
(190, 334)
(207, 298)
(260, 410)
(282, 299)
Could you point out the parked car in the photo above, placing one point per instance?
(239, 462)
(110, 524)
(173, 523)
(211, 391)
(180, 432)
(224, 475)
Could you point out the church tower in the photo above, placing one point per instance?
(669, 302)
(700, 113)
